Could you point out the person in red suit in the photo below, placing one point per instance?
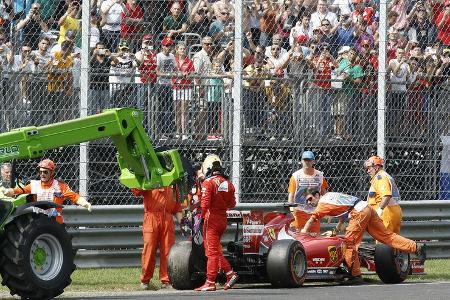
(217, 197)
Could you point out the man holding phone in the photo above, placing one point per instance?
(32, 26)
(98, 87)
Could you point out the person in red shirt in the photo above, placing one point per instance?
(182, 89)
(50, 189)
(322, 65)
(131, 27)
(443, 24)
(158, 231)
(362, 11)
(146, 82)
(217, 197)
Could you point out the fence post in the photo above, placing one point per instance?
(84, 92)
(381, 131)
(237, 96)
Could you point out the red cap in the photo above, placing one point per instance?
(357, 1)
(301, 39)
(147, 37)
(447, 3)
(167, 41)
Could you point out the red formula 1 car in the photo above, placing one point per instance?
(265, 249)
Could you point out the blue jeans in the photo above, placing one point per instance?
(321, 101)
(164, 110)
(98, 101)
(146, 101)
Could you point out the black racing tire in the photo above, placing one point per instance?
(36, 257)
(181, 267)
(392, 266)
(286, 264)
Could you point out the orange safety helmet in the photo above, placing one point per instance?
(47, 164)
(374, 161)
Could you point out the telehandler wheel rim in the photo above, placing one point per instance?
(401, 261)
(46, 257)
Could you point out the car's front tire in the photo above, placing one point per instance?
(286, 264)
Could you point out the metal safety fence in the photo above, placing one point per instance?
(113, 236)
(254, 81)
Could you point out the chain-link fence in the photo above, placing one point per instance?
(310, 81)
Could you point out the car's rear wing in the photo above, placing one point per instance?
(253, 218)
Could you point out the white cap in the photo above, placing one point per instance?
(344, 49)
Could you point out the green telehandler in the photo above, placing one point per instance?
(36, 253)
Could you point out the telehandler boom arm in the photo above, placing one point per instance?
(141, 167)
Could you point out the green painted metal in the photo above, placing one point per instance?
(139, 163)
(8, 206)
(40, 257)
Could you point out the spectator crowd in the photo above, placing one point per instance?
(309, 65)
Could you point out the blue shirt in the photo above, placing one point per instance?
(345, 37)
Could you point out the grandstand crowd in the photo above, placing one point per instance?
(176, 59)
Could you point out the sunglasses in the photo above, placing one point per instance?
(225, 13)
(207, 44)
(326, 24)
(45, 172)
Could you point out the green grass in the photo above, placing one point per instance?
(127, 279)
(437, 269)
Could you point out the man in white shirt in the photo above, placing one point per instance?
(302, 27)
(165, 67)
(22, 67)
(323, 13)
(111, 18)
(202, 67)
(342, 7)
(278, 41)
(399, 73)
(123, 69)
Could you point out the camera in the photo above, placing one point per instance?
(101, 51)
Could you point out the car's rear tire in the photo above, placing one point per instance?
(286, 264)
(36, 257)
(182, 266)
(392, 266)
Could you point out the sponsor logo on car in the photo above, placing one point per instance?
(332, 251)
(271, 233)
(253, 230)
(318, 260)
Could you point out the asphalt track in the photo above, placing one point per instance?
(409, 291)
